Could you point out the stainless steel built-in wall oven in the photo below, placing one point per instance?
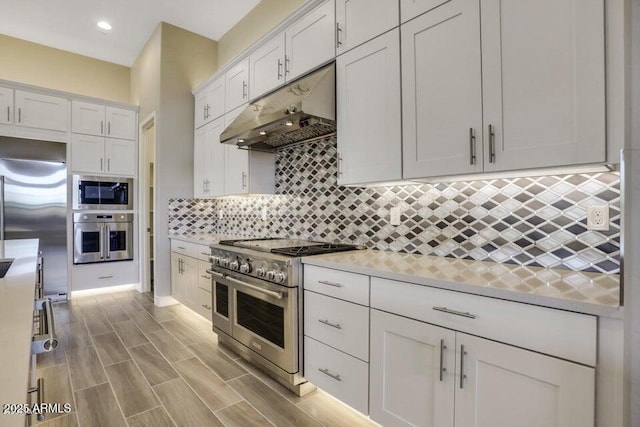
(98, 192)
(102, 237)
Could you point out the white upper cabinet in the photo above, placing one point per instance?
(368, 108)
(40, 111)
(87, 118)
(121, 123)
(6, 105)
(237, 85)
(360, 20)
(100, 155)
(310, 41)
(120, 155)
(543, 83)
(236, 162)
(208, 160)
(442, 92)
(411, 8)
(504, 386)
(210, 102)
(99, 120)
(266, 67)
(199, 168)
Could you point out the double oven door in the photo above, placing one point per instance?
(260, 315)
(102, 240)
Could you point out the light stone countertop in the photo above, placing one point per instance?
(17, 290)
(204, 238)
(591, 293)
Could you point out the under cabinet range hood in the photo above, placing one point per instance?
(303, 110)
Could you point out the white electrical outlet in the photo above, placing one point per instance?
(598, 218)
(264, 213)
(394, 213)
(220, 213)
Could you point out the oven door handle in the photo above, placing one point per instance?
(258, 289)
(107, 241)
(215, 273)
(101, 241)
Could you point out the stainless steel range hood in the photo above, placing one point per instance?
(301, 111)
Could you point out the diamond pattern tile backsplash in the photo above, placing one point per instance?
(538, 221)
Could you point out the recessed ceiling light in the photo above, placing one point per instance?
(104, 25)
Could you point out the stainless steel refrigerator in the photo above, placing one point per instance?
(33, 203)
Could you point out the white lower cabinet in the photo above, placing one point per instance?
(419, 370)
(184, 271)
(190, 282)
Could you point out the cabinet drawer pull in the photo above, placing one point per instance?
(328, 373)
(208, 307)
(457, 313)
(8, 113)
(326, 282)
(472, 147)
(181, 247)
(279, 68)
(206, 277)
(462, 375)
(108, 128)
(443, 347)
(19, 115)
(328, 323)
(244, 89)
(205, 253)
(286, 64)
(105, 277)
(39, 389)
(101, 127)
(338, 34)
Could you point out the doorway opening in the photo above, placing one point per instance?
(147, 202)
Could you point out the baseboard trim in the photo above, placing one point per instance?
(164, 301)
(105, 290)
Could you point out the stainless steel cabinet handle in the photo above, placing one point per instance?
(457, 313)
(328, 323)
(181, 247)
(462, 375)
(108, 164)
(205, 253)
(101, 127)
(208, 307)
(108, 128)
(274, 294)
(39, 389)
(205, 277)
(286, 64)
(19, 115)
(472, 147)
(101, 164)
(338, 34)
(443, 347)
(328, 373)
(105, 277)
(339, 165)
(326, 282)
(8, 113)
(492, 144)
(279, 69)
(244, 180)
(244, 89)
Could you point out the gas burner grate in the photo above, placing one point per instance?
(300, 251)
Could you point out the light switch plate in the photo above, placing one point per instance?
(220, 213)
(264, 213)
(395, 216)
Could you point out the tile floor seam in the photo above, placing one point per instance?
(249, 403)
(146, 410)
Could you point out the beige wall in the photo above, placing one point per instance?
(262, 18)
(35, 64)
(172, 63)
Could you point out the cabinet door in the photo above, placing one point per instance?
(360, 20)
(412, 372)
(121, 156)
(411, 8)
(310, 41)
(266, 67)
(215, 99)
(543, 83)
(121, 123)
(6, 105)
(204, 304)
(87, 118)
(199, 168)
(237, 85)
(236, 163)
(200, 109)
(507, 386)
(442, 92)
(87, 153)
(42, 111)
(178, 290)
(368, 107)
(190, 277)
(215, 153)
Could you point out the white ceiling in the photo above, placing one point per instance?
(71, 24)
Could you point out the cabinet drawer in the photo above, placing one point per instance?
(335, 283)
(337, 323)
(193, 250)
(204, 303)
(563, 334)
(339, 374)
(204, 278)
(102, 275)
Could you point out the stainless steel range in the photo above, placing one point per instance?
(257, 302)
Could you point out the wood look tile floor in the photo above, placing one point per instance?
(124, 362)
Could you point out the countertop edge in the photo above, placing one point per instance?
(504, 294)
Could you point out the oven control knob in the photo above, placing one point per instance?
(271, 275)
(245, 268)
(234, 265)
(261, 272)
(280, 277)
(224, 262)
(215, 260)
